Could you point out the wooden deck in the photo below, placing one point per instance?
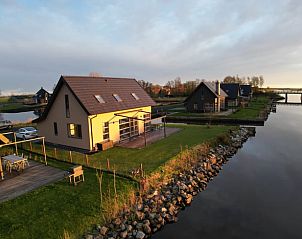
(151, 137)
(33, 177)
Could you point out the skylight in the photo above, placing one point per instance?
(99, 99)
(117, 97)
(135, 96)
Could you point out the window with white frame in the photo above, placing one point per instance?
(117, 97)
(99, 99)
(106, 131)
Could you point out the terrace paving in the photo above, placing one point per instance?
(33, 177)
(151, 137)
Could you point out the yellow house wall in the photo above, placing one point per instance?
(57, 114)
(114, 131)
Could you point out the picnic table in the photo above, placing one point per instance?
(14, 162)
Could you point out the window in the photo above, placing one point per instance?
(106, 131)
(74, 131)
(99, 99)
(195, 107)
(147, 121)
(116, 96)
(128, 128)
(55, 128)
(67, 106)
(135, 96)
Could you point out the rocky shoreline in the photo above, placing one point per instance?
(160, 206)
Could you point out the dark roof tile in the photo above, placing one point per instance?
(85, 88)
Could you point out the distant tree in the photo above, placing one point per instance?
(255, 81)
(147, 86)
(229, 79)
(261, 81)
(95, 74)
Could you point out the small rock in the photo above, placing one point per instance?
(140, 235)
(123, 234)
(103, 230)
(89, 236)
(147, 229)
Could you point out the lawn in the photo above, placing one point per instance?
(151, 157)
(253, 110)
(4, 99)
(49, 211)
(17, 107)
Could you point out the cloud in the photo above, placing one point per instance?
(151, 40)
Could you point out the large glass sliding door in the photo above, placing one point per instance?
(128, 128)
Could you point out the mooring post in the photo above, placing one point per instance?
(286, 97)
(301, 98)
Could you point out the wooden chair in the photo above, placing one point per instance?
(8, 166)
(77, 175)
(26, 163)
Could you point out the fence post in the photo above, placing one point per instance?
(87, 159)
(55, 149)
(70, 156)
(108, 164)
(100, 177)
(114, 184)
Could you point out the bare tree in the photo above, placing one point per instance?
(95, 74)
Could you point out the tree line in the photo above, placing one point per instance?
(177, 88)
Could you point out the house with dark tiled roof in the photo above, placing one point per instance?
(233, 92)
(42, 96)
(207, 97)
(87, 111)
(246, 91)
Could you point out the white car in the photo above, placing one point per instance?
(27, 133)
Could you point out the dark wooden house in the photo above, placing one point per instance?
(246, 91)
(207, 97)
(233, 92)
(42, 96)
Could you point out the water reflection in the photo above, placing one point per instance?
(257, 195)
(19, 117)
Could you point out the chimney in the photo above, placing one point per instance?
(218, 87)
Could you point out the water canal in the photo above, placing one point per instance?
(21, 117)
(258, 193)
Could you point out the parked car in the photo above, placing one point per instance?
(27, 133)
(5, 124)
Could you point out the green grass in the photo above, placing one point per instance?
(4, 99)
(152, 156)
(167, 99)
(49, 210)
(253, 110)
(17, 107)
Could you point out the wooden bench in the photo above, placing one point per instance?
(76, 175)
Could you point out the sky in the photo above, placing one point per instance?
(152, 40)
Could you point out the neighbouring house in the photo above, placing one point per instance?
(85, 112)
(207, 97)
(42, 96)
(233, 92)
(246, 91)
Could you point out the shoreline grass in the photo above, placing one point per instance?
(60, 209)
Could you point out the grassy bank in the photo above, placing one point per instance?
(18, 107)
(252, 111)
(151, 157)
(49, 211)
